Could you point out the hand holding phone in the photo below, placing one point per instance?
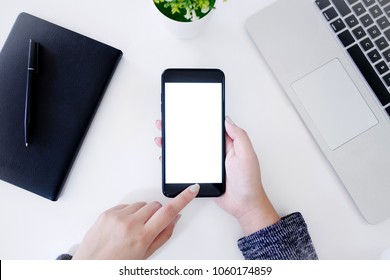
(245, 197)
(193, 131)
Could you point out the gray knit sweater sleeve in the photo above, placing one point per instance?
(288, 239)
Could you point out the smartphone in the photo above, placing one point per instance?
(193, 131)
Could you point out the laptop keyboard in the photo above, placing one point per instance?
(363, 28)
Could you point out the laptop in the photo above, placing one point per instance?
(332, 58)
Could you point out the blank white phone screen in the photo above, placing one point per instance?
(193, 133)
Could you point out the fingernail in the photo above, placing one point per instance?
(229, 120)
(194, 188)
(157, 203)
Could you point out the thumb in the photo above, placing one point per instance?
(240, 140)
(232, 129)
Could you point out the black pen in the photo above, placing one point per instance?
(32, 69)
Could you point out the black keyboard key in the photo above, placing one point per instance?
(383, 2)
(387, 34)
(387, 80)
(368, 3)
(387, 10)
(373, 31)
(359, 9)
(375, 11)
(383, 23)
(322, 4)
(346, 38)
(351, 21)
(386, 55)
(381, 43)
(369, 74)
(359, 32)
(374, 56)
(382, 67)
(342, 7)
(351, 1)
(366, 20)
(366, 44)
(330, 14)
(338, 25)
(388, 110)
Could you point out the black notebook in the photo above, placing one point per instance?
(73, 74)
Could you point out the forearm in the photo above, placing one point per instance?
(287, 239)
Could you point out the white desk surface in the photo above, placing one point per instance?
(119, 162)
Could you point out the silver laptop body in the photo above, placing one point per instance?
(312, 59)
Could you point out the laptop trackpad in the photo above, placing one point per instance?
(334, 104)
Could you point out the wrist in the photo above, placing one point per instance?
(258, 217)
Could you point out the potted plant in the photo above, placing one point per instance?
(185, 18)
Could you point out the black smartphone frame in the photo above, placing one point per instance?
(185, 75)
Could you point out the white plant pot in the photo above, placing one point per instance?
(185, 30)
